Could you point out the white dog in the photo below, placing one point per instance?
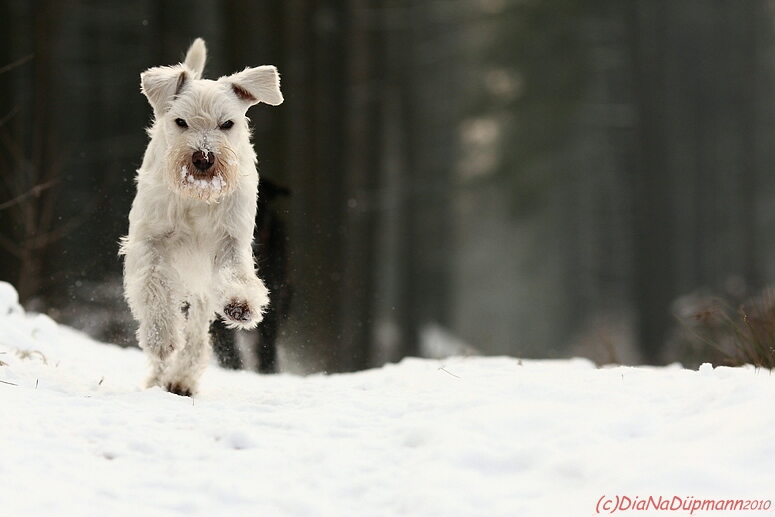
(188, 253)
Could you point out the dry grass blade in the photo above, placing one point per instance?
(29, 354)
(743, 335)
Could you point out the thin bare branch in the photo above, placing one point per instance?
(9, 116)
(49, 208)
(16, 63)
(12, 146)
(34, 191)
(10, 246)
(49, 237)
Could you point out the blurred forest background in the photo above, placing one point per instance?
(539, 178)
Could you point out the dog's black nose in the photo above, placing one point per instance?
(203, 160)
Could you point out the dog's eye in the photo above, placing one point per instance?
(227, 125)
(181, 123)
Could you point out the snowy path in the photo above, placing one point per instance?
(473, 436)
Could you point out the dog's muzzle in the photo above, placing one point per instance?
(203, 160)
(202, 173)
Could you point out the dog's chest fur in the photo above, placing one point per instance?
(196, 236)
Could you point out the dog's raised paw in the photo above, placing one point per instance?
(237, 311)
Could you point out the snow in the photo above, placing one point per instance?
(474, 436)
(215, 183)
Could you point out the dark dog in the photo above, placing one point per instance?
(270, 251)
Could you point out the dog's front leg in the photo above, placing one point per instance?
(243, 295)
(152, 288)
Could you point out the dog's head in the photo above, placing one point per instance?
(203, 122)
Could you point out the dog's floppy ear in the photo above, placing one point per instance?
(161, 84)
(254, 85)
(196, 57)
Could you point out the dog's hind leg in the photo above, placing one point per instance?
(187, 366)
(154, 294)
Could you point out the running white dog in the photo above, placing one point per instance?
(188, 254)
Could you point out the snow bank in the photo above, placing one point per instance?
(9, 300)
(466, 436)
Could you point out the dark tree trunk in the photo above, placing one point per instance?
(653, 210)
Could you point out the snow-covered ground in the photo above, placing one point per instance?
(463, 436)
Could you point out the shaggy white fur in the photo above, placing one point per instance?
(188, 254)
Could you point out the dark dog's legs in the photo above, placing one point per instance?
(266, 349)
(225, 345)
